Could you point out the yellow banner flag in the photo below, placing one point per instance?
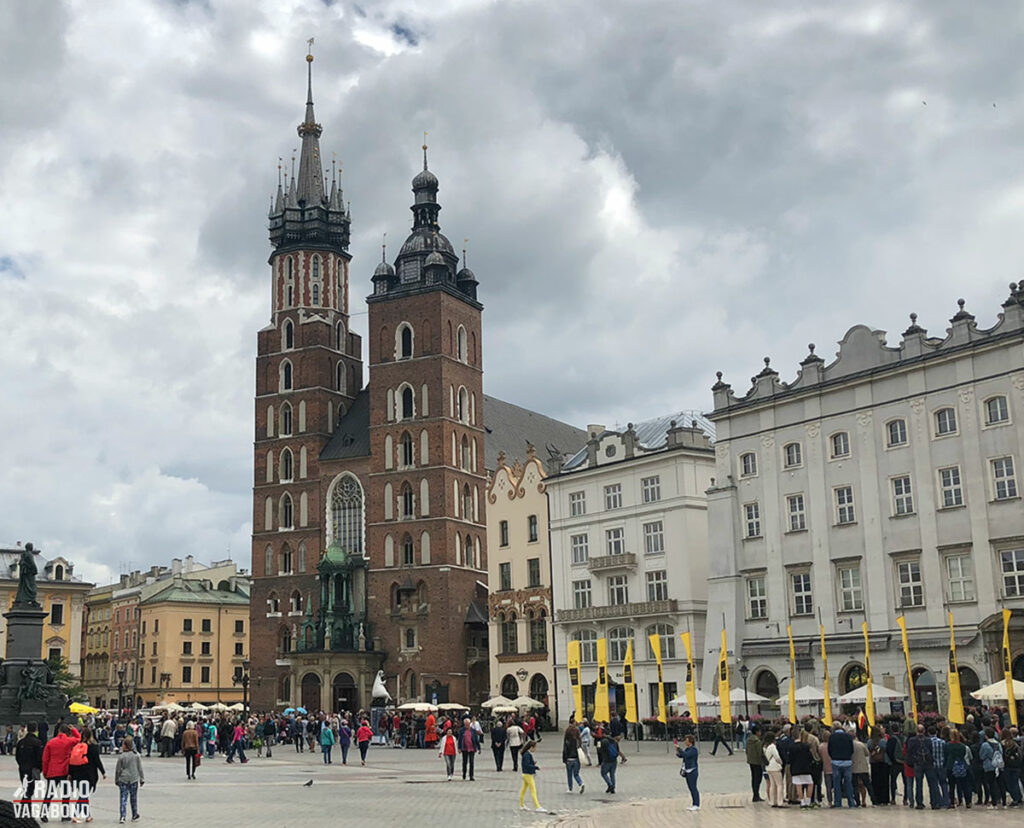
(827, 718)
(792, 675)
(691, 685)
(601, 712)
(956, 699)
(902, 621)
(723, 682)
(627, 680)
(655, 640)
(869, 706)
(1011, 702)
(573, 663)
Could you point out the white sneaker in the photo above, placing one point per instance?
(542, 810)
(569, 791)
(695, 807)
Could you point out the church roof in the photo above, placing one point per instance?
(352, 436)
(510, 427)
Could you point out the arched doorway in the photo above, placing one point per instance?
(345, 695)
(311, 692)
(767, 684)
(969, 683)
(539, 687)
(853, 676)
(926, 690)
(510, 686)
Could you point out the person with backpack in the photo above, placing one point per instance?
(85, 765)
(992, 762)
(1012, 760)
(56, 762)
(608, 756)
(689, 770)
(958, 765)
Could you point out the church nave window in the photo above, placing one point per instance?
(286, 375)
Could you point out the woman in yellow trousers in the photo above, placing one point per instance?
(529, 768)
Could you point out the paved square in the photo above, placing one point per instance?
(408, 787)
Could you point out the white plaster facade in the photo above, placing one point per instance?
(519, 579)
(638, 499)
(916, 511)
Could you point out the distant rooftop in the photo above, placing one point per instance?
(651, 435)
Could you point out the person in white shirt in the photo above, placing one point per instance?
(515, 742)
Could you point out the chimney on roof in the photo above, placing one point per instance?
(189, 563)
(691, 436)
(594, 431)
(176, 566)
(629, 441)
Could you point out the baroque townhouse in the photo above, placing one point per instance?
(885, 483)
(628, 518)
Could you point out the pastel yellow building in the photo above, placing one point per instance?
(193, 639)
(519, 578)
(60, 593)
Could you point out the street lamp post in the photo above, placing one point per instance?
(120, 692)
(243, 679)
(744, 672)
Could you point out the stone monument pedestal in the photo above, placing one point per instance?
(27, 692)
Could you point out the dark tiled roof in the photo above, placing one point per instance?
(352, 436)
(476, 614)
(509, 428)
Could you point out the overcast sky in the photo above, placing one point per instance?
(652, 191)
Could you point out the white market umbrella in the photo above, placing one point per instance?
(878, 693)
(504, 708)
(238, 707)
(702, 698)
(418, 707)
(736, 696)
(803, 695)
(525, 701)
(997, 691)
(453, 706)
(497, 701)
(218, 707)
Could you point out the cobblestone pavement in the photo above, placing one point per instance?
(404, 787)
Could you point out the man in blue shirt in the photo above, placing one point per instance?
(938, 781)
(840, 750)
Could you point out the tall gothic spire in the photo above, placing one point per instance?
(310, 191)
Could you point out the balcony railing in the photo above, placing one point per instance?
(627, 560)
(637, 610)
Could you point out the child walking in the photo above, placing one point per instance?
(129, 777)
(529, 768)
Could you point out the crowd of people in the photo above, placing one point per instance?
(806, 764)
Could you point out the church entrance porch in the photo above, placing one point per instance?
(331, 682)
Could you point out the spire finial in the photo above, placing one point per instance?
(334, 167)
(424, 149)
(280, 161)
(309, 70)
(464, 243)
(384, 248)
(294, 150)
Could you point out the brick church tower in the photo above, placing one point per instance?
(425, 521)
(308, 371)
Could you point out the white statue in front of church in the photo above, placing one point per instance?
(379, 690)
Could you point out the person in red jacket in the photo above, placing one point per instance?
(363, 737)
(56, 766)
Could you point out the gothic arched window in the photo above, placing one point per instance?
(347, 514)
(286, 376)
(286, 464)
(407, 403)
(407, 551)
(286, 420)
(286, 522)
(407, 449)
(289, 335)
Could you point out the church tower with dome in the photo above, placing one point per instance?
(425, 523)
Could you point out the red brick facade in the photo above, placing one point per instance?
(426, 593)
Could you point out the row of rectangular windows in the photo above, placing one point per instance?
(997, 412)
(615, 542)
(650, 492)
(950, 493)
(532, 574)
(531, 531)
(957, 568)
(618, 589)
(619, 639)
